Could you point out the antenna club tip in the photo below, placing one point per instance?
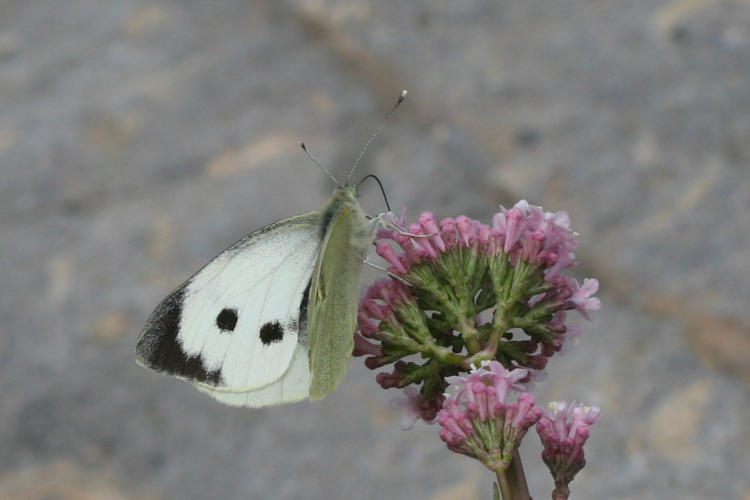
(302, 145)
(404, 93)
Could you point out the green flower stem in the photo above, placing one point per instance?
(447, 303)
(399, 338)
(512, 480)
(470, 335)
(500, 325)
(524, 276)
(517, 478)
(460, 308)
(510, 288)
(441, 353)
(417, 329)
(407, 346)
(504, 483)
(415, 373)
(541, 287)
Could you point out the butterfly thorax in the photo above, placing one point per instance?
(343, 196)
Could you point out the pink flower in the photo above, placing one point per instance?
(462, 291)
(466, 230)
(410, 405)
(415, 407)
(430, 226)
(495, 375)
(387, 380)
(480, 421)
(582, 299)
(514, 221)
(389, 254)
(363, 347)
(563, 431)
(524, 231)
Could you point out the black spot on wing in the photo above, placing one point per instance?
(227, 320)
(271, 332)
(159, 349)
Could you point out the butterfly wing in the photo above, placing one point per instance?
(293, 386)
(233, 328)
(335, 289)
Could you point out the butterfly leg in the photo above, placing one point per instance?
(389, 221)
(386, 271)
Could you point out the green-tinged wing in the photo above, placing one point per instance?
(334, 290)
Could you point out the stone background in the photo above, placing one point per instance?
(139, 138)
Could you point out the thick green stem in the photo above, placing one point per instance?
(504, 483)
(512, 480)
(518, 478)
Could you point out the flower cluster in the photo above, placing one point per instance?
(462, 293)
(563, 431)
(468, 318)
(480, 421)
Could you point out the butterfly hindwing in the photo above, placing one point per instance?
(234, 327)
(293, 386)
(335, 288)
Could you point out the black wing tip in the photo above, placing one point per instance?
(159, 349)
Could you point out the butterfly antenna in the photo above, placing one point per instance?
(309, 154)
(382, 190)
(401, 98)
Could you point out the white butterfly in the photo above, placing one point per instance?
(271, 319)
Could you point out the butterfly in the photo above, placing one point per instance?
(271, 319)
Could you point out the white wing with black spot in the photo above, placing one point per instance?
(233, 329)
(293, 386)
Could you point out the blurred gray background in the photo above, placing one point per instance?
(139, 138)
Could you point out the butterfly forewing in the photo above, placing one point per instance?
(234, 326)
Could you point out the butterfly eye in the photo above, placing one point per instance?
(227, 320)
(271, 332)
